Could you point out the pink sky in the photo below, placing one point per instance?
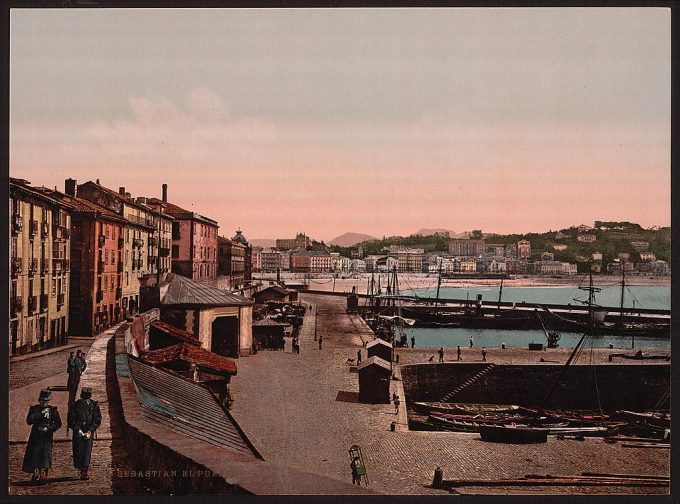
(552, 144)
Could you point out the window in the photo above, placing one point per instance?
(127, 236)
(14, 246)
(107, 230)
(127, 278)
(113, 278)
(106, 256)
(54, 286)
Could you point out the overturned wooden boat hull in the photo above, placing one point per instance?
(469, 408)
(514, 434)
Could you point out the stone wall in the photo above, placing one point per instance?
(621, 386)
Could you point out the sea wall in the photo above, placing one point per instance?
(609, 386)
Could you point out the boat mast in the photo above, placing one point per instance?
(500, 293)
(439, 283)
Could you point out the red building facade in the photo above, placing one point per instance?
(97, 242)
(194, 241)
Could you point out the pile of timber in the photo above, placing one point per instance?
(586, 479)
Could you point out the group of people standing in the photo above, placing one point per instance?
(84, 418)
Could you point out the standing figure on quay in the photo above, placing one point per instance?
(84, 419)
(44, 420)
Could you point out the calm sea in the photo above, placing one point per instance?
(634, 296)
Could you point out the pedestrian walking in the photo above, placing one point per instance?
(471, 342)
(44, 420)
(84, 419)
(80, 359)
(396, 405)
(441, 354)
(320, 340)
(359, 357)
(483, 354)
(458, 353)
(74, 368)
(413, 342)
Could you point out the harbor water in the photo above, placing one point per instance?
(494, 338)
(634, 296)
(638, 296)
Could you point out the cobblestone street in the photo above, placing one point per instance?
(29, 376)
(32, 369)
(287, 405)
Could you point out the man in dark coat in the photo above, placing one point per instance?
(84, 419)
(74, 370)
(44, 420)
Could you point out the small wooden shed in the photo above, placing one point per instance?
(374, 381)
(379, 348)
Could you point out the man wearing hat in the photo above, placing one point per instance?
(45, 421)
(84, 418)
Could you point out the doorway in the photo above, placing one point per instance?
(225, 336)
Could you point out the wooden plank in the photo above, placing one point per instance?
(619, 475)
(554, 482)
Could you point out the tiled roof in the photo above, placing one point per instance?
(192, 354)
(176, 211)
(189, 408)
(175, 332)
(42, 193)
(184, 291)
(80, 205)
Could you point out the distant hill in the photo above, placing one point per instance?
(349, 239)
(438, 231)
(263, 242)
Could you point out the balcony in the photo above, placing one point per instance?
(100, 296)
(153, 241)
(44, 302)
(101, 240)
(33, 228)
(137, 243)
(45, 228)
(17, 266)
(119, 267)
(17, 305)
(119, 293)
(140, 264)
(32, 266)
(100, 265)
(121, 243)
(67, 264)
(60, 233)
(60, 300)
(164, 252)
(17, 223)
(32, 304)
(44, 266)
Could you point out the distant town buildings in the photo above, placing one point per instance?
(586, 238)
(559, 247)
(301, 241)
(647, 256)
(524, 249)
(597, 256)
(466, 247)
(234, 260)
(311, 261)
(640, 246)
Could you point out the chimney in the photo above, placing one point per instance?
(121, 190)
(128, 195)
(165, 193)
(70, 187)
(98, 182)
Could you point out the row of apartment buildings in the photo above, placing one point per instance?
(79, 257)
